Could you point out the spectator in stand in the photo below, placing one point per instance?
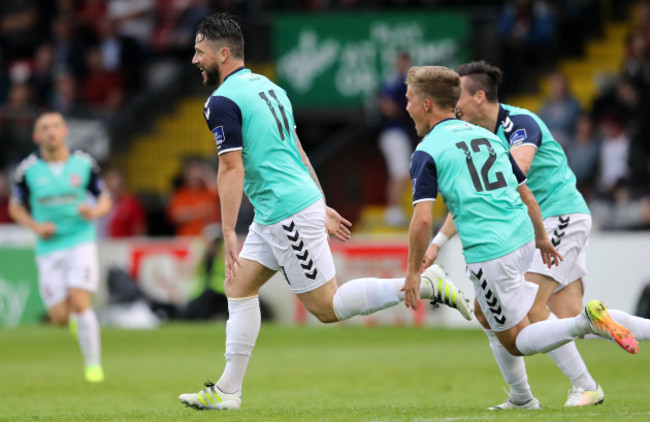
(69, 48)
(20, 31)
(195, 203)
(41, 78)
(4, 200)
(583, 153)
(613, 154)
(5, 82)
(527, 32)
(134, 18)
(175, 24)
(561, 110)
(636, 65)
(120, 53)
(17, 118)
(395, 138)
(103, 89)
(65, 97)
(127, 217)
(90, 14)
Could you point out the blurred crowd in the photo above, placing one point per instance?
(608, 145)
(89, 58)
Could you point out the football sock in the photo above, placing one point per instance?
(513, 370)
(364, 296)
(88, 336)
(242, 328)
(568, 359)
(544, 336)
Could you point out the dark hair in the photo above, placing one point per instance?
(223, 28)
(482, 77)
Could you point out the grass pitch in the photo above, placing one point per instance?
(301, 374)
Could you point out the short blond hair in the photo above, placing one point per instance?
(438, 83)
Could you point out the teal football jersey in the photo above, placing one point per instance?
(55, 196)
(475, 175)
(549, 178)
(250, 113)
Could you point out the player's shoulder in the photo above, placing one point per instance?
(23, 167)
(521, 117)
(84, 158)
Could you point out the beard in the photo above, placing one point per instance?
(211, 77)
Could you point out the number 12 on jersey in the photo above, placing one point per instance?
(476, 147)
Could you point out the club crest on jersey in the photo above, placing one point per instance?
(75, 180)
(518, 137)
(219, 136)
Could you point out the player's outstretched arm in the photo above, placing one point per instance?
(419, 235)
(446, 232)
(542, 242)
(231, 187)
(21, 215)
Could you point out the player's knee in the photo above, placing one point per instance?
(59, 318)
(324, 314)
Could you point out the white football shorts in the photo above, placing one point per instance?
(569, 234)
(58, 271)
(502, 292)
(396, 147)
(298, 246)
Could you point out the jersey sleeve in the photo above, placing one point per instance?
(424, 177)
(224, 119)
(20, 189)
(521, 177)
(525, 131)
(96, 185)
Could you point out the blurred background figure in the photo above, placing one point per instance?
(127, 218)
(17, 116)
(4, 200)
(195, 203)
(614, 167)
(395, 138)
(527, 31)
(561, 110)
(583, 153)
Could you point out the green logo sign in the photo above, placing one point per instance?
(342, 59)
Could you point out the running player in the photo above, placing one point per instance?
(50, 196)
(259, 153)
(473, 171)
(567, 221)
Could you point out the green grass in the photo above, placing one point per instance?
(301, 374)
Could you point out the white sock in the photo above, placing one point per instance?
(88, 336)
(365, 296)
(640, 327)
(513, 370)
(568, 359)
(242, 328)
(544, 336)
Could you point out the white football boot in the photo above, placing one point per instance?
(532, 404)
(581, 397)
(211, 397)
(445, 291)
